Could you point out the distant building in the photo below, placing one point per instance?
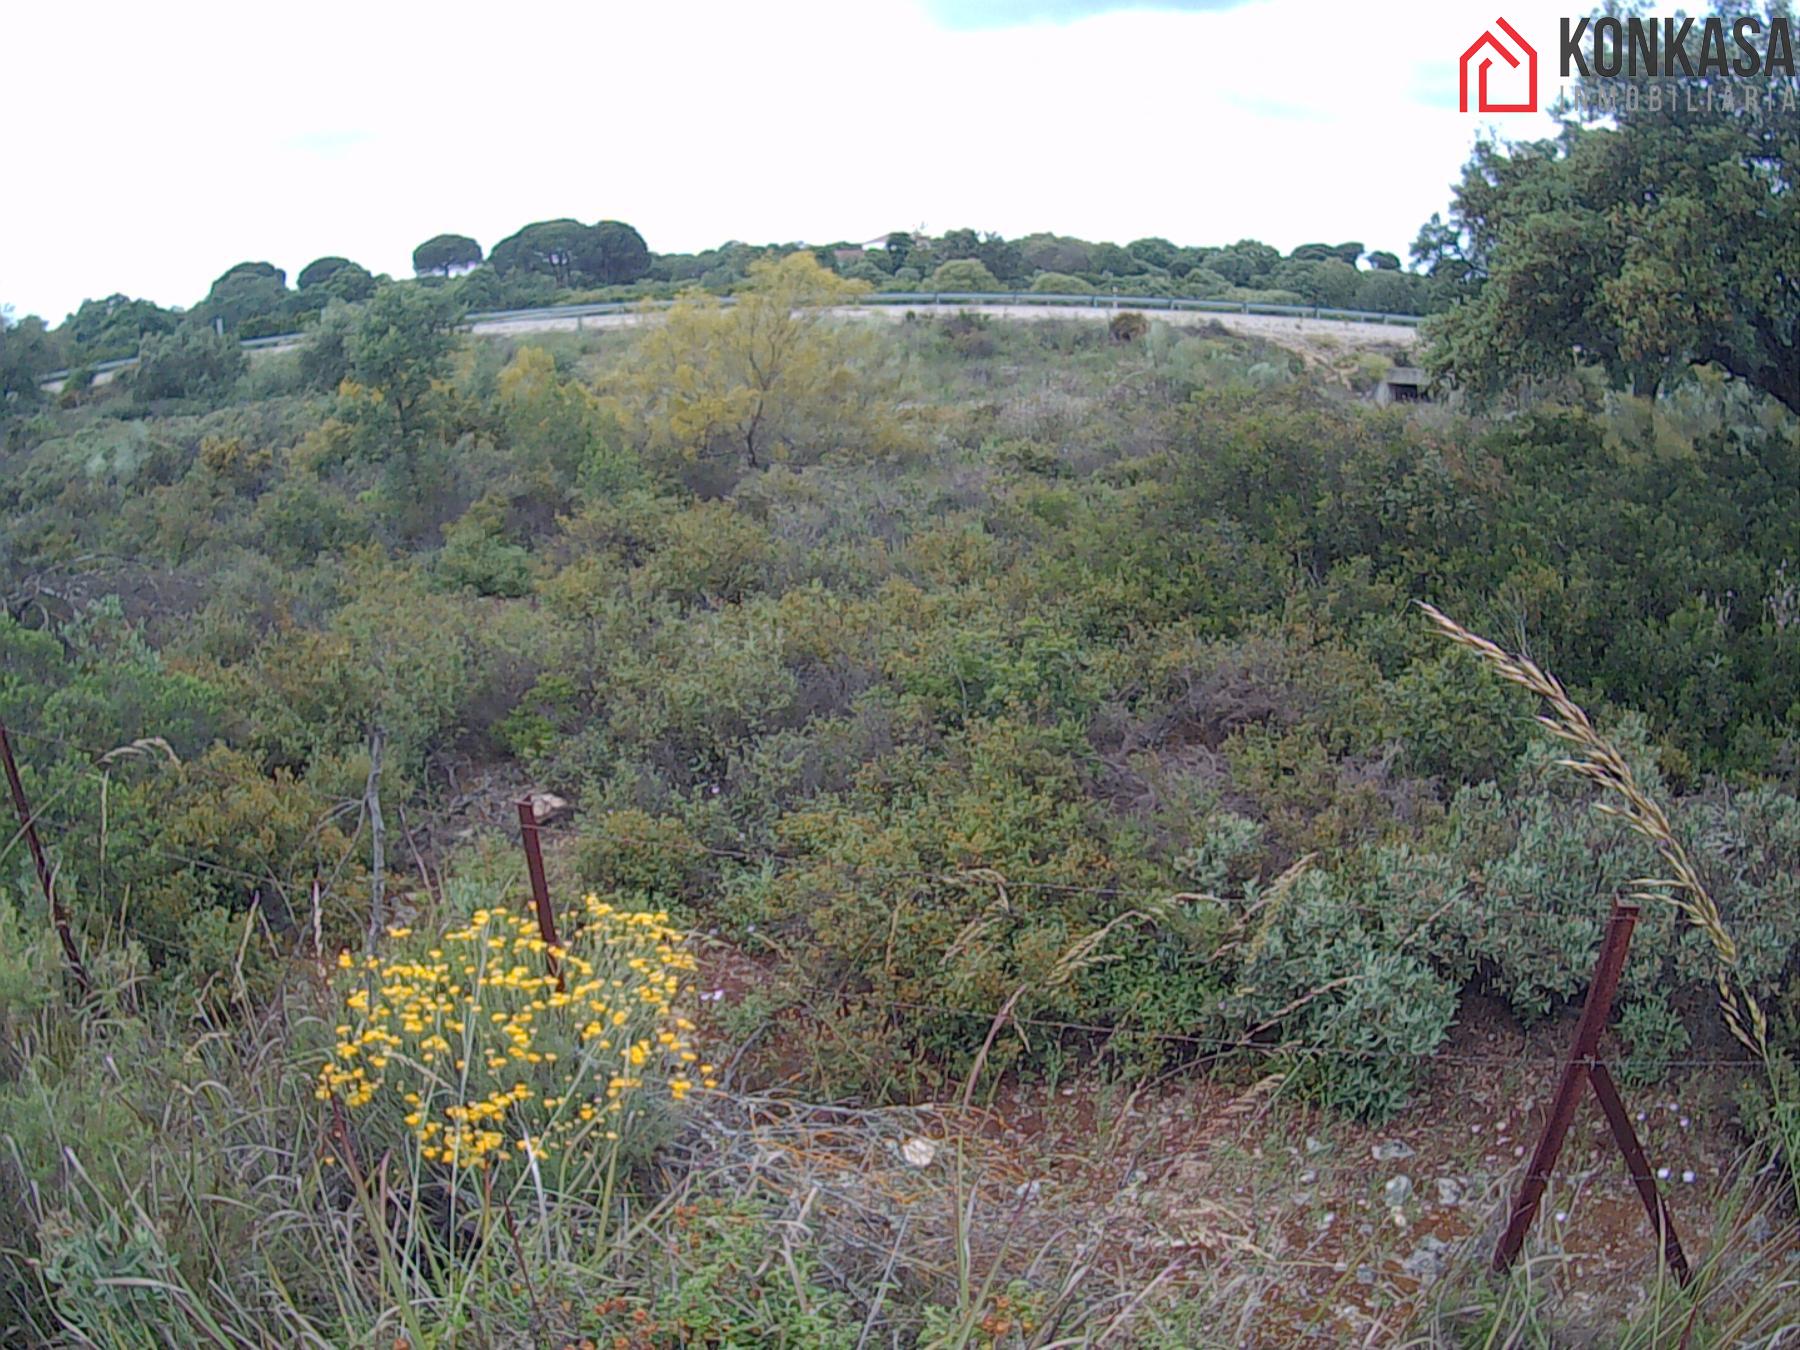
(1404, 384)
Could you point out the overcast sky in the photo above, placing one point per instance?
(164, 143)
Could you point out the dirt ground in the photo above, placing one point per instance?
(1328, 1232)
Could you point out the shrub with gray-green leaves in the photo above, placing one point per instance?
(1334, 973)
(1517, 891)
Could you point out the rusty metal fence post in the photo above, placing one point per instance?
(59, 916)
(1583, 1064)
(1639, 1167)
(540, 887)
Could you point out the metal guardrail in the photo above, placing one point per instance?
(1171, 303)
(1094, 301)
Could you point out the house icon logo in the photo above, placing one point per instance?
(1516, 52)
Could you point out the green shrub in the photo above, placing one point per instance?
(193, 362)
(1347, 991)
(633, 852)
(963, 274)
(1061, 283)
(478, 556)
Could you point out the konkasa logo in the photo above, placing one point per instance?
(1518, 77)
(1503, 67)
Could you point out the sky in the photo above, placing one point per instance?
(172, 141)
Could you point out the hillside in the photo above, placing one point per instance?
(1048, 877)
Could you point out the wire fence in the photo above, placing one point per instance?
(789, 981)
(970, 875)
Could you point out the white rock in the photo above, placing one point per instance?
(918, 1152)
(1427, 1261)
(550, 808)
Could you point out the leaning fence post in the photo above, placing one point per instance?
(1594, 1014)
(28, 827)
(540, 887)
(1582, 1063)
(1639, 1166)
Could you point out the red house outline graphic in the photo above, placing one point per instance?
(1488, 39)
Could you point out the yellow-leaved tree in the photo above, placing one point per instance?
(771, 377)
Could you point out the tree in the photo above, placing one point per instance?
(105, 330)
(1442, 253)
(1111, 260)
(1202, 282)
(316, 272)
(1155, 251)
(767, 378)
(27, 354)
(1245, 263)
(1061, 283)
(443, 254)
(1391, 291)
(325, 356)
(548, 247)
(610, 253)
(1659, 229)
(339, 278)
(963, 274)
(1383, 261)
(251, 298)
(1005, 259)
(401, 348)
(481, 289)
(192, 362)
(613, 254)
(1054, 253)
(1327, 282)
(899, 247)
(958, 244)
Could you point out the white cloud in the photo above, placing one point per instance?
(172, 142)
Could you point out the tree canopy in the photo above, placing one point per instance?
(444, 253)
(400, 348)
(106, 330)
(250, 299)
(26, 354)
(766, 379)
(338, 278)
(610, 253)
(318, 271)
(193, 362)
(1659, 229)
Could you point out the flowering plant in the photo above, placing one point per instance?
(487, 1049)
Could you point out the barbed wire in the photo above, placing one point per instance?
(969, 876)
(973, 876)
(1222, 1045)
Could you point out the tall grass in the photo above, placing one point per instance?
(1597, 760)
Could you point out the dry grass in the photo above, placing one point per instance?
(1599, 761)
